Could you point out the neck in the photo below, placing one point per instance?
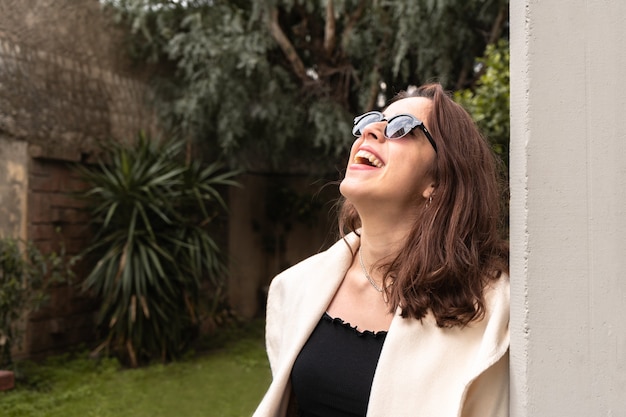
(381, 240)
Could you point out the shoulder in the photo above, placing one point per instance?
(495, 338)
(298, 296)
(498, 296)
(487, 393)
(320, 264)
(316, 277)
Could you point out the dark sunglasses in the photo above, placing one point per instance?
(397, 127)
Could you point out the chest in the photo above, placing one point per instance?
(359, 303)
(333, 373)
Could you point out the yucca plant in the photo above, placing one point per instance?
(151, 210)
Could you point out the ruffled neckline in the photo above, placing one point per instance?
(365, 333)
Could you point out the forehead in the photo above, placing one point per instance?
(416, 106)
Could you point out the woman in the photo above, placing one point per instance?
(407, 315)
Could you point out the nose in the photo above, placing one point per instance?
(375, 131)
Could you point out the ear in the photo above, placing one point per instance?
(428, 192)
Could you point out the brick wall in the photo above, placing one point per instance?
(55, 215)
(58, 221)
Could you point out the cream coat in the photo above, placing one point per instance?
(423, 370)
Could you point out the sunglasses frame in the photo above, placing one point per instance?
(415, 123)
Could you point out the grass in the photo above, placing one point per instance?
(228, 380)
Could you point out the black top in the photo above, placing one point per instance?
(332, 375)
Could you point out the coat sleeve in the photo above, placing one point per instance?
(488, 395)
(273, 327)
(276, 399)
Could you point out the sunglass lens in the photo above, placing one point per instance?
(361, 122)
(398, 127)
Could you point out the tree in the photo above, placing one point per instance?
(273, 84)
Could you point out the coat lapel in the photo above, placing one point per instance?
(308, 289)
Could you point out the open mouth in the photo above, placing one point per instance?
(367, 158)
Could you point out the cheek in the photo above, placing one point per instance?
(419, 173)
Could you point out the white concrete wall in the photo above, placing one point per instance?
(568, 208)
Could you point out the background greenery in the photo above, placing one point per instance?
(274, 84)
(488, 100)
(227, 380)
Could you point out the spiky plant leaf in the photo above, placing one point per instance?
(151, 211)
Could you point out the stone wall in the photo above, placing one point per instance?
(65, 86)
(59, 89)
(13, 187)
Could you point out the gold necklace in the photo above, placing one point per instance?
(376, 287)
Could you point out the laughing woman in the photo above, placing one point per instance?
(408, 313)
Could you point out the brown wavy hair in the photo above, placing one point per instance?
(455, 248)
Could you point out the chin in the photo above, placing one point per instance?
(342, 188)
(345, 188)
(353, 190)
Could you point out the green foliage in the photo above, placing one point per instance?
(488, 102)
(154, 250)
(273, 84)
(26, 276)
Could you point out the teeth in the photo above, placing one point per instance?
(365, 155)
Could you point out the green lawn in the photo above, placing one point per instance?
(227, 381)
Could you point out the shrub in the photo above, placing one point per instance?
(25, 279)
(151, 211)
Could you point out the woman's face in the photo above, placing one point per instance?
(391, 172)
